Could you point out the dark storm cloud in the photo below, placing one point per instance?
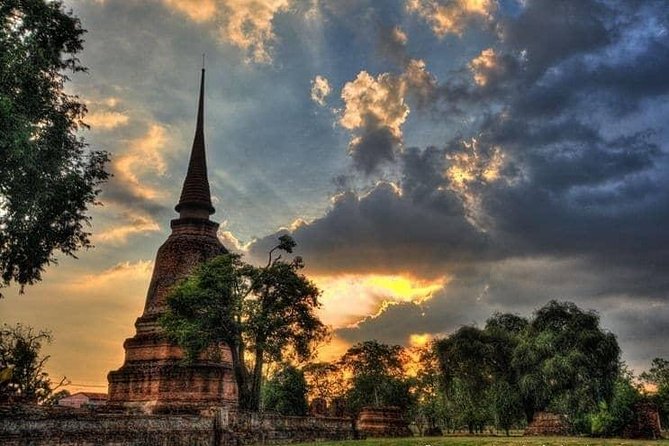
(418, 228)
(376, 146)
(569, 93)
(548, 32)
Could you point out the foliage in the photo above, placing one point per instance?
(612, 418)
(286, 392)
(464, 362)
(48, 177)
(261, 313)
(431, 412)
(658, 377)
(478, 377)
(566, 363)
(377, 376)
(23, 377)
(325, 380)
(560, 361)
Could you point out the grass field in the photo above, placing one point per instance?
(493, 441)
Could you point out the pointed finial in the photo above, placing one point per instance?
(203, 60)
(195, 195)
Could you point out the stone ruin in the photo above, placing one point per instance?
(645, 424)
(547, 424)
(383, 422)
(153, 378)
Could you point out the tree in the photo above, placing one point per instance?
(566, 363)
(286, 392)
(431, 409)
(377, 376)
(658, 378)
(325, 380)
(48, 177)
(22, 375)
(478, 377)
(465, 363)
(504, 331)
(613, 417)
(261, 313)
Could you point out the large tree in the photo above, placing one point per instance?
(377, 374)
(48, 177)
(561, 361)
(261, 313)
(468, 373)
(23, 378)
(566, 363)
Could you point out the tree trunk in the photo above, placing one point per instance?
(256, 380)
(241, 377)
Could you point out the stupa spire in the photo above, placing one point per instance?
(195, 194)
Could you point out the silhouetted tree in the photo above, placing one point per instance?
(23, 378)
(48, 178)
(325, 380)
(261, 313)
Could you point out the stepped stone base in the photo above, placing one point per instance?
(154, 377)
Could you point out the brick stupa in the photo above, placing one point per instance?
(153, 378)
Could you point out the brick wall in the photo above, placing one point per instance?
(272, 429)
(21, 426)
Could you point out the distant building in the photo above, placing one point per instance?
(83, 399)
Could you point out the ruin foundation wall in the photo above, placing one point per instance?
(80, 427)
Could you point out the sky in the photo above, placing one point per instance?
(436, 161)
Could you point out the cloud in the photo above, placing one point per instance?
(375, 109)
(483, 65)
(106, 120)
(557, 190)
(144, 155)
(392, 43)
(367, 294)
(470, 169)
(123, 271)
(421, 84)
(320, 90)
(133, 224)
(451, 16)
(249, 26)
(246, 24)
(197, 10)
(421, 227)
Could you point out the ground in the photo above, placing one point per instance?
(493, 441)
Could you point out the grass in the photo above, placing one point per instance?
(492, 441)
